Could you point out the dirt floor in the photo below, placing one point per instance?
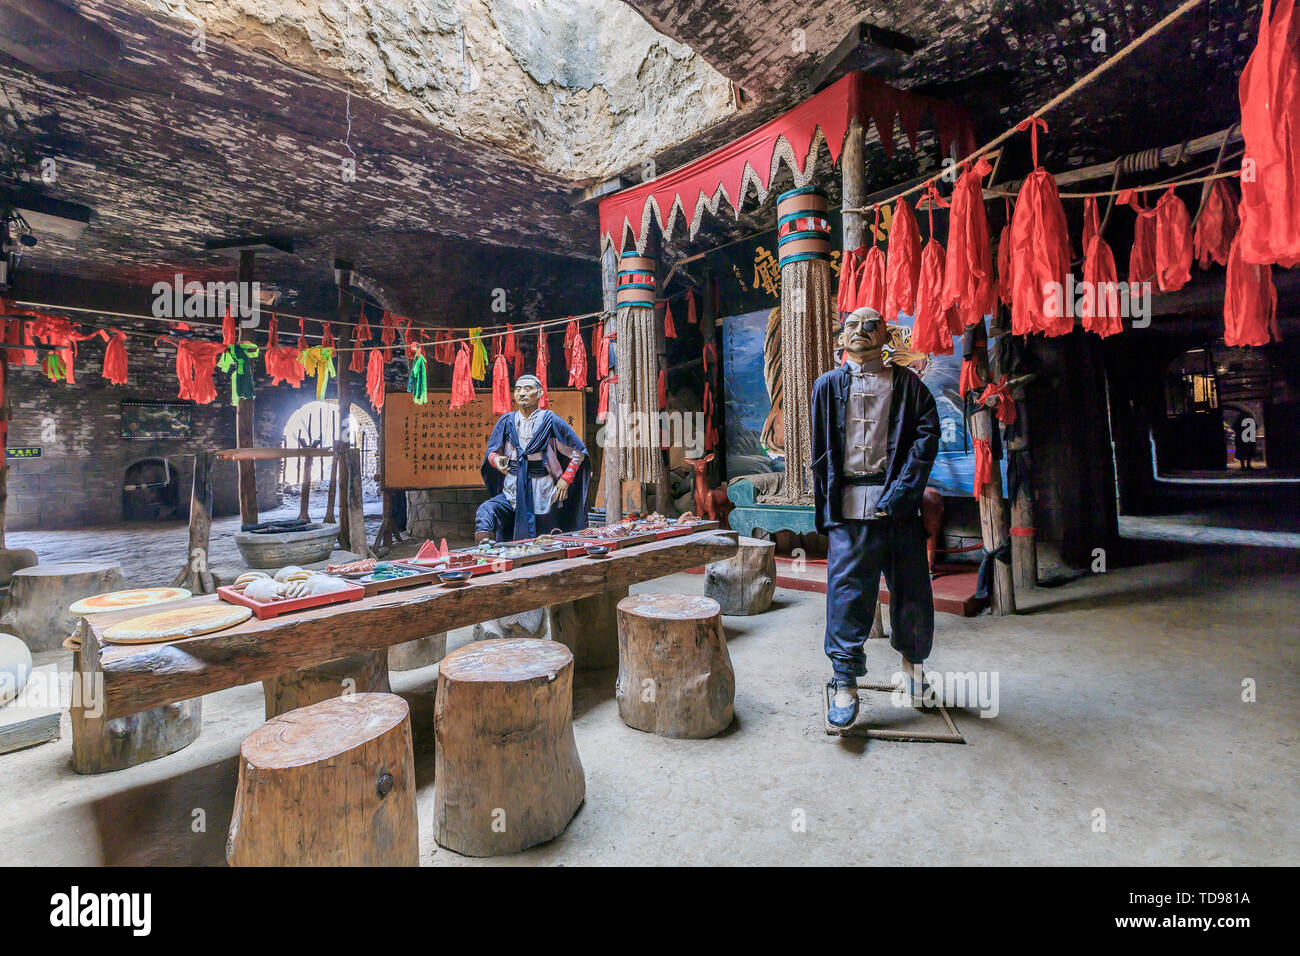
(1121, 737)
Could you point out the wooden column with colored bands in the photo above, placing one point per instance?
(802, 226)
(636, 281)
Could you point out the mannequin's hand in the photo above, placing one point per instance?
(561, 491)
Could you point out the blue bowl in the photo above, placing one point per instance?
(455, 578)
(597, 550)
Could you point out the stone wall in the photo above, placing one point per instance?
(443, 513)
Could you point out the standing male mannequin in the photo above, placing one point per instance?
(531, 489)
(875, 437)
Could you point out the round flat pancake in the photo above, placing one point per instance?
(128, 599)
(172, 625)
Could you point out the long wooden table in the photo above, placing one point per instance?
(139, 677)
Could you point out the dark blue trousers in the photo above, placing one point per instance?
(496, 517)
(859, 552)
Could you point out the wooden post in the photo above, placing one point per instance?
(244, 415)
(746, 583)
(507, 774)
(195, 575)
(853, 179)
(674, 672)
(613, 496)
(354, 506)
(343, 437)
(333, 489)
(1024, 548)
(332, 785)
(708, 316)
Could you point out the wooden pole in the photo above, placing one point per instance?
(994, 528)
(853, 178)
(1024, 549)
(4, 435)
(195, 575)
(244, 417)
(609, 458)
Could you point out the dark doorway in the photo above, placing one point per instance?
(151, 492)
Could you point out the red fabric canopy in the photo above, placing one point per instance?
(855, 96)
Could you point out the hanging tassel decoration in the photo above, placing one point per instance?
(478, 370)
(1142, 257)
(1173, 243)
(691, 317)
(237, 361)
(670, 329)
(327, 337)
(1004, 259)
(969, 285)
(663, 391)
(319, 361)
(52, 367)
(543, 360)
(903, 267)
(602, 403)
(358, 363)
(500, 386)
(1091, 221)
(229, 331)
(387, 335)
(1099, 310)
(1215, 227)
(375, 379)
(1250, 301)
(870, 292)
(462, 383)
(578, 363)
(850, 264)
(417, 380)
(115, 358)
(931, 331)
(1040, 248)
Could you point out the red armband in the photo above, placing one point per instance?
(571, 472)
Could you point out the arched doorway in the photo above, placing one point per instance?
(316, 425)
(151, 491)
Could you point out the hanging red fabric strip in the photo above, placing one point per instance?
(1099, 309)
(968, 283)
(1004, 259)
(1040, 248)
(691, 317)
(543, 361)
(511, 347)
(1091, 220)
(462, 386)
(327, 336)
(670, 328)
(1249, 302)
(663, 391)
(1269, 91)
(1216, 226)
(602, 403)
(115, 358)
(375, 379)
(1142, 257)
(903, 268)
(229, 332)
(1005, 409)
(1173, 243)
(500, 386)
(577, 362)
(983, 465)
(387, 335)
(847, 296)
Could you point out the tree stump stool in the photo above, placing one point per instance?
(674, 672)
(101, 745)
(744, 584)
(358, 674)
(36, 609)
(529, 624)
(506, 772)
(419, 653)
(332, 784)
(589, 628)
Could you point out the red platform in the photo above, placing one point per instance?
(954, 590)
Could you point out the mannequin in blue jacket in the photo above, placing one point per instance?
(875, 438)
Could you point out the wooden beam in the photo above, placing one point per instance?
(140, 677)
(853, 176)
(245, 436)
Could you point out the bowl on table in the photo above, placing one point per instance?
(596, 550)
(456, 578)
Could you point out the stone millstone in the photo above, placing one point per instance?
(36, 609)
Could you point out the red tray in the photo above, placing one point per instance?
(424, 576)
(354, 592)
(473, 569)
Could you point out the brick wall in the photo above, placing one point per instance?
(443, 513)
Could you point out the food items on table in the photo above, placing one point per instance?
(689, 518)
(177, 623)
(353, 567)
(383, 571)
(264, 590)
(127, 599)
(546, 541)
(248, 577)
(292, 573)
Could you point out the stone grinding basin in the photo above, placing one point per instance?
(279, 548)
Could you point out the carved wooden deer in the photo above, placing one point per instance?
(703, 495)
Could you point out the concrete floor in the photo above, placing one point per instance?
(1119, 693)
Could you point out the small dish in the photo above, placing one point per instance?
(455, 579)
(597, 550)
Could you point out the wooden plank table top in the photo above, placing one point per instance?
(143, 676)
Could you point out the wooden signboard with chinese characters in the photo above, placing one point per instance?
(431, 446)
